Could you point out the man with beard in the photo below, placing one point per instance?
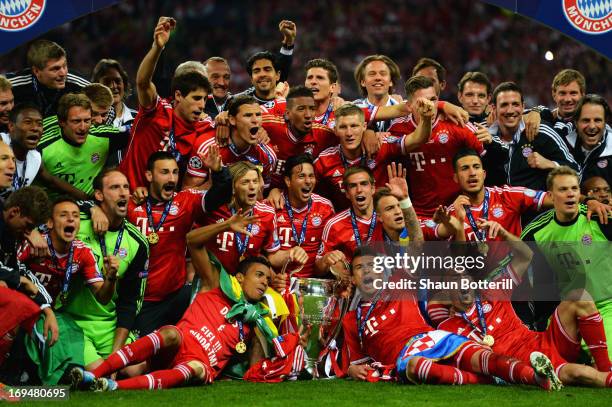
(7, 101)
(161, 124)
(165, 218)
(430, 171)
(107, 327)
(487, 316)
(386, 328)
(304, 214)
(262, 237)
(244, 116)
(598, 188)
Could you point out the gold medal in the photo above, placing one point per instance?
(241, 258)
(241, 347)
(483, 248)
(488, 340)
(153, 238)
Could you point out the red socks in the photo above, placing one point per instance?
(160, 379)
(592, 330)
(504, 367)
(138, 351)
(433, 373)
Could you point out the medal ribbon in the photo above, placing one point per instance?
(481, 317)
(362, 323)
(172, 143)
(345, 163)
(68, 271)
(164, 215)
(480, 234)
(356, 229)
(299, 240)
(18, 181)
(117, 243)
(328, 112)
(241, 244)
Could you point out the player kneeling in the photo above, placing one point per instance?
(387, 328)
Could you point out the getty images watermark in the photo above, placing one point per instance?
(425, 272)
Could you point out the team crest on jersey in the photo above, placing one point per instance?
(602, 163)
(443, 138)
(95, 157)
(174, 210)
(371, 163)
(316, 221)
(17, 15)
(498, 212)
(122, 253)
(309, 148)
(589, 16)
(526, 150)
(487, 308)
(195, 162)
(255, 230)
(586, 239)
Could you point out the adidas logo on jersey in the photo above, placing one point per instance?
(336, 174)
(280, 219)
(59, 165)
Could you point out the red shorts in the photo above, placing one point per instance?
(189, 350)
(554, 343)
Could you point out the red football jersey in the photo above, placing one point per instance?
(260, 154)
(339, 235)
(329, 168)
(321, 210)
(207, 335)
(150, 133)
(264, 239)
(430, 166)
(52, 275)
(285, 144)
(167, 257)
(387, 330)
(503, 324)
(327, 119)
(506, 205)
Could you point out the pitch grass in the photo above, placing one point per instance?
(340, 393)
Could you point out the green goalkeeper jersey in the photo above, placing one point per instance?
(77, 164)
(133, 254)
(578, 252)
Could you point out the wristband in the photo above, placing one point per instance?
(406, 203)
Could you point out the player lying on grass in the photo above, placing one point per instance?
(387, 328)
(489, 318)
(217, 325)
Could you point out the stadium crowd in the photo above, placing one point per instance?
(164, 246)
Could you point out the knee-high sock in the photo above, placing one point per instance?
(609, 380)
(159, 379)
(139, 351)
(489, 363)
(431, 372)
(592, 330)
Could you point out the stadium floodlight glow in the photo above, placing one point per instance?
(549, 56)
